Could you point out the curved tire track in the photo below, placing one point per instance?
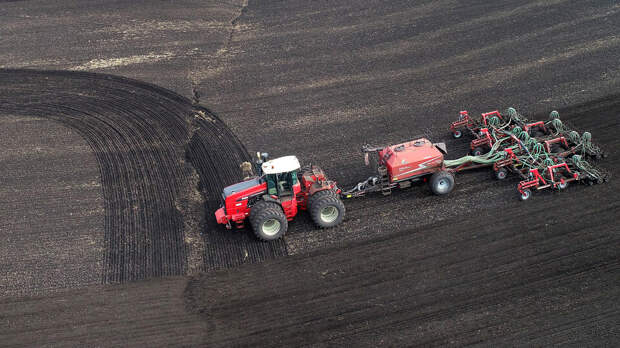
(141, 136)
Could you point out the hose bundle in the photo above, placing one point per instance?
(554, 115)
(587, 168)
(529, 152)
(574, 137)
(558, 125)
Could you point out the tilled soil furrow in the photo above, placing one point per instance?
(140, 137)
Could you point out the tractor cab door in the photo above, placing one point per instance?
(281, 184)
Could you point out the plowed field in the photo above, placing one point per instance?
(121, 122)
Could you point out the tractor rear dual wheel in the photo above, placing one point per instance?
(326, 209)
(268, 221)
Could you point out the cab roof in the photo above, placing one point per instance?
(281, 165)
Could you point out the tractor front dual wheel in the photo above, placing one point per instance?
(268, 221)
(326, 209)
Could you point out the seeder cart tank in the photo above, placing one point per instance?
(398, 166)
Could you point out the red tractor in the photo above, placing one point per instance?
(274, 197)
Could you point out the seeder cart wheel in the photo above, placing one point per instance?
(326, 209)
(442, 183)
(501, 174)
(525, 194)
(457, 134)
(268, 221)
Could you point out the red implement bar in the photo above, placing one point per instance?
(548, 143)
(463, 121)
(486, 115)
(535, 182)
(485, 139)
(552, 169)
(535, 124)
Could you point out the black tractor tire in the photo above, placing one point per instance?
(442, 183)
(326, 209)
(268, 221)
(316, 196)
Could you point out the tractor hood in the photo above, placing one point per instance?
(242, 186)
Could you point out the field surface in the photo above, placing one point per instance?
(121, 122)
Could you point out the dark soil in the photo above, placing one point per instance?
(52, 211)
(318, 79)
(140, 135)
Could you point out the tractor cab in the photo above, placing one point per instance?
(280, 174)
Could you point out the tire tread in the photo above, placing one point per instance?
(263, 210)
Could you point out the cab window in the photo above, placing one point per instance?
(281, 184)
(271, 184)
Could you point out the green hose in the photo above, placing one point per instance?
(554, 115)
(574, 137)
(587, 168)
(494, 121)
(559, 127)
(490, 157)
(511, 112)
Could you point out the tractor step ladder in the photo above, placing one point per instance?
(386, 188)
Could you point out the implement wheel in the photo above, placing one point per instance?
(478, 151)
(457, 134)
(563, 184)
(326, 209)
(268, 221)
(442, 183)
(501, 174)
(526, 194)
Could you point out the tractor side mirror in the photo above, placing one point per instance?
(260, 159)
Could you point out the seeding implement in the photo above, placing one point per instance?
(543, 154)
